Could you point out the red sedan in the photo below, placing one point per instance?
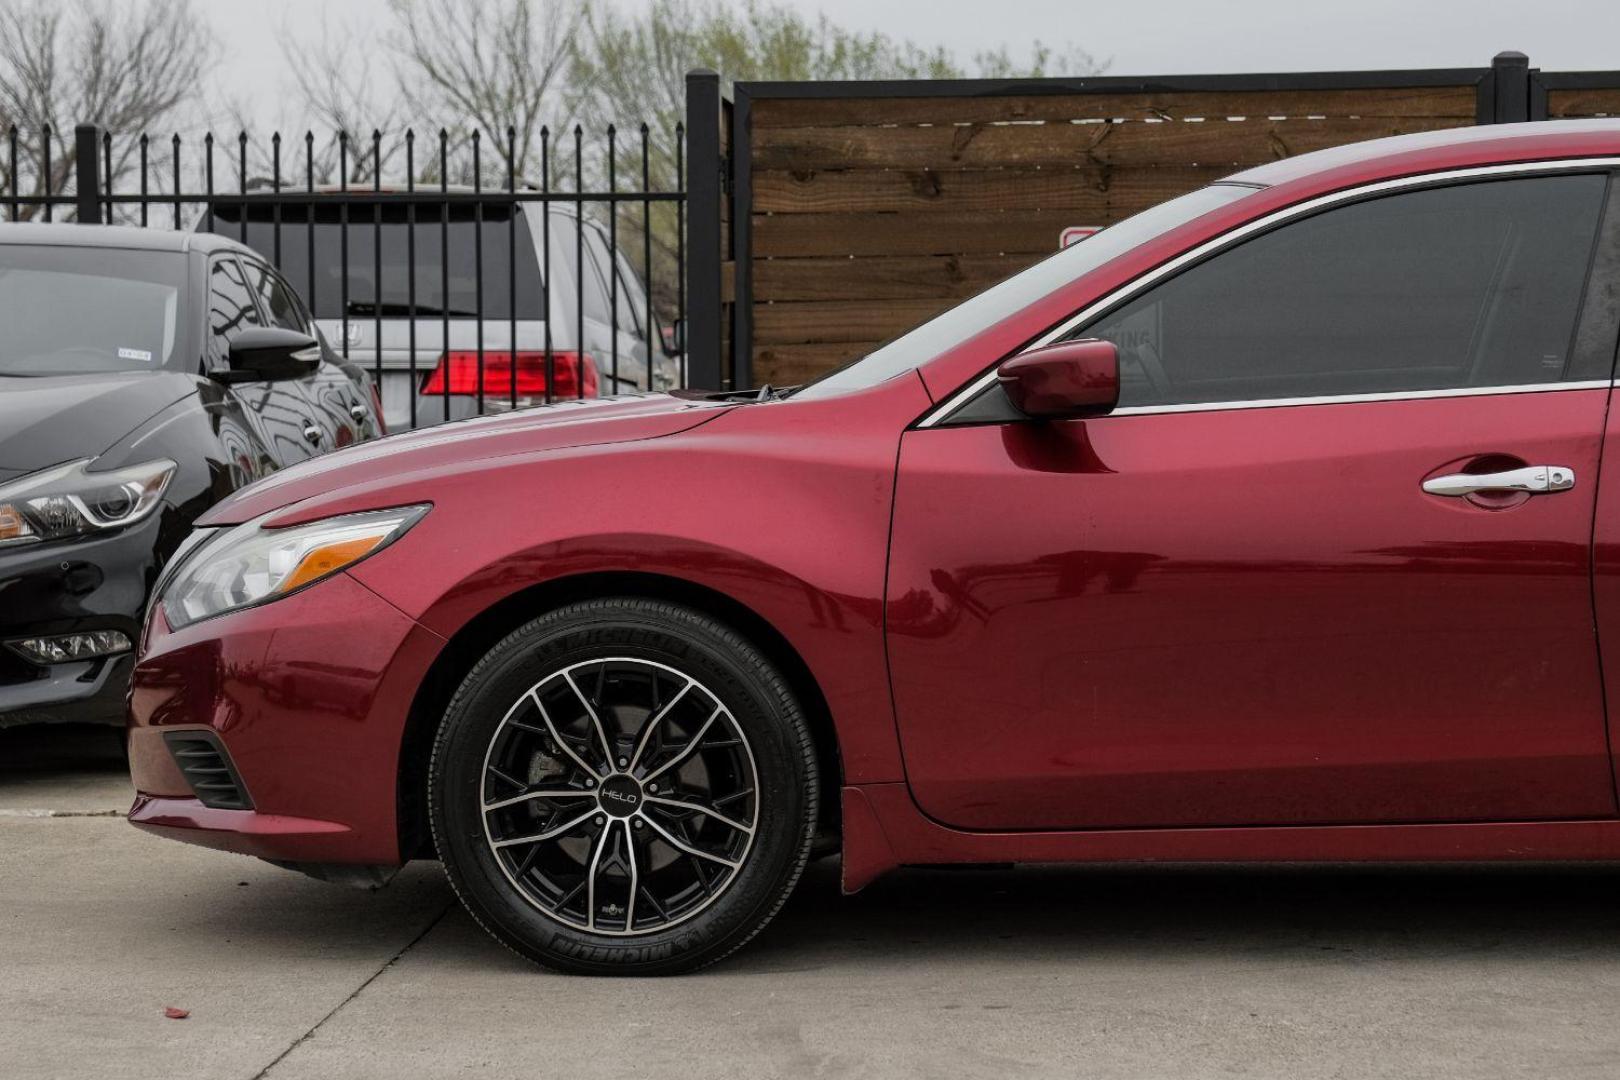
(1274, 523)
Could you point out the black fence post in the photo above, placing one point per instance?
(1510, 78)
(742, 241)
(87, 167)
(705, 189)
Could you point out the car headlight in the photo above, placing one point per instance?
(69, 500)
(253, 565)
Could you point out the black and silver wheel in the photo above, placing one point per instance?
(623, 786)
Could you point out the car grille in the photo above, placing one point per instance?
(208, 769)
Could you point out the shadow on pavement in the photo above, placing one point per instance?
(61, 748)
(63, 769)
(1040, 914)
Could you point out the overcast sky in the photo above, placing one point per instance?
(1141, 38)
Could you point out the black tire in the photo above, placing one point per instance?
(487, 735)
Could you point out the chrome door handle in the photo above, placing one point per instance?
(1536, 479)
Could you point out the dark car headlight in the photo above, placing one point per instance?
(250, 564)
(70, 500)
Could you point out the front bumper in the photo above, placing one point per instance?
(98, 583)
(309, 697)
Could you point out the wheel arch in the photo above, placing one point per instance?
(479, 634)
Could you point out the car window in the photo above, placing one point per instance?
(1473, 285)
(431, 260)
(633, 318)
(275, 297)
(75, 310)
(594, 283)
(230, 306)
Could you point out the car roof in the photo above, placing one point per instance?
(1450, 148)
(265, 196)
(425, 187)
(128, 237)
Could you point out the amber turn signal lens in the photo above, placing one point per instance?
(328, 559)
(12, 525)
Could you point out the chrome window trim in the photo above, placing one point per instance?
(1140, 284)
(1350, 399)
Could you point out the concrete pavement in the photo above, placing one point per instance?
(1117, 972)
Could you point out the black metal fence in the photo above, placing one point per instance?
(464, 284)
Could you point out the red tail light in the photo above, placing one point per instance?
(527, 372)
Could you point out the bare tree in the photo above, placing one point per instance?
(346, 100)
(499, 65)
(123, 66)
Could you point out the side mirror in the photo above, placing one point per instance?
(269, 354)
(675, 338)
(1065, 381)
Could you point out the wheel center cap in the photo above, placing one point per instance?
(619, 796)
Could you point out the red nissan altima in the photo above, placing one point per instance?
(1269, 524)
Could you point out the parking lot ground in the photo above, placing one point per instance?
(1152, 972)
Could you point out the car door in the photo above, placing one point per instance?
(278, 410)
(335, 404)
(1233, 601)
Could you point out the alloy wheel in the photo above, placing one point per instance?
(619, 796)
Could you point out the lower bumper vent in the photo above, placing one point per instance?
(208, 769)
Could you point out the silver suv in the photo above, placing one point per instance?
(471, 289)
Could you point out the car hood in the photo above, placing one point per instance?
(431, 453)
(46, 420)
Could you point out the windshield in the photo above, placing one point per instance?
(86, 310)
(916, 347)
(446, 279)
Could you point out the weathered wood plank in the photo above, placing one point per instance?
(1091, 192)
(840, 320)
(790, 365)
(1231, 144)
(1604, 102)
(905, 277)
(943, 233)
(1457, 102)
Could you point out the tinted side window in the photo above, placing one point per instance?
(1475, 285)
(274, 295)
(230, 306)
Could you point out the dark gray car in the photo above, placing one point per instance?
(144, 375)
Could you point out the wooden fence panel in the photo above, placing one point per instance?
(869, 214)
(1164, 143)
(1405, 103)
(1034, 232)
(1569, 104)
